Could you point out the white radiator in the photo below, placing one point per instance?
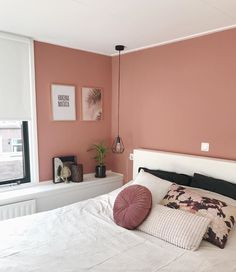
(17, 209)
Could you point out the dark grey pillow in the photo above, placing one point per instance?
(219, 186)
(180, 179)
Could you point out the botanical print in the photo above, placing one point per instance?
(221, 214)
(91, 104)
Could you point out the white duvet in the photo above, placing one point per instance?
(83, 237)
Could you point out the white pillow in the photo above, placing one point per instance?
(177, 227)
(157, 186)
(113, 194)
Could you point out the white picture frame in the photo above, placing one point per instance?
(63, 102)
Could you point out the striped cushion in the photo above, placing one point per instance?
(177, 227)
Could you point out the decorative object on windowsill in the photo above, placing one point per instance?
(65, 174)
(91, 104)
(63, 102)
(101, 151)
(77, 172)
(118, 146)
(62, 168)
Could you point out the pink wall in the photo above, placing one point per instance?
(55, 64)
(175, 96)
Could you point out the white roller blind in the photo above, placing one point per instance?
(15, 78)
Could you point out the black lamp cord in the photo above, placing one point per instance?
(119, 97)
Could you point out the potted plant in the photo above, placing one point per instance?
(101, 152)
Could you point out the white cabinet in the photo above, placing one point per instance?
(50, 196)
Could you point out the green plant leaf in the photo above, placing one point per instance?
(101, 152)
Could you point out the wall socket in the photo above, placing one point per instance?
(205, 147)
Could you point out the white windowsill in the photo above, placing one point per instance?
(45, 188)
(14, 187)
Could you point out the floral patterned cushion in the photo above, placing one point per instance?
(222, 215)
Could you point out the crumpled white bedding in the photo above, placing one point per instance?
(83, 237)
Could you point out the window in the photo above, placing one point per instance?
(18, 139)
(14, 152)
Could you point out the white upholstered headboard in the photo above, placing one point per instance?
(186, 164)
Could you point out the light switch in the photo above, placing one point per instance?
(205, 147)
(131, 156)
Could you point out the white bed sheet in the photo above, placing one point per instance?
(83, 237)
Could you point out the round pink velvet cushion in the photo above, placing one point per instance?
(132, 206)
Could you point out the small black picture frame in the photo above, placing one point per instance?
(62, 168)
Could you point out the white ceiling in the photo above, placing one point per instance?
(98, 25)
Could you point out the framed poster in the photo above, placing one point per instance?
(63, 102)
(92, 104)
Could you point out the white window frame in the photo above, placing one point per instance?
(32, 125)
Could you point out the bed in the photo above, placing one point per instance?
(84, 237)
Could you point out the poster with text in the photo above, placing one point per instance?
(63, 102)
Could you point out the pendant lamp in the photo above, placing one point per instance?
(118, 146)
